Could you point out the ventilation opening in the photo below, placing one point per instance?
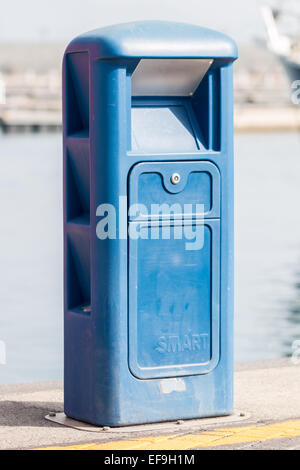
(78, 185)
(78, 273)
(77, 94)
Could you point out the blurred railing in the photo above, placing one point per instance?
(31, 100)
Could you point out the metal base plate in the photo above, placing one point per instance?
(174, 426)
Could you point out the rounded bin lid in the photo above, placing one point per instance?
(156, 39)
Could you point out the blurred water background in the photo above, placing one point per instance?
(267, 177)
(267, 195)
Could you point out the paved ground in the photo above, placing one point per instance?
(267, 392)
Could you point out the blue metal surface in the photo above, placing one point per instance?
(148, 323)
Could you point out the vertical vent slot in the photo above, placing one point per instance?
(77, 94)
(78, 273)
(78, 184)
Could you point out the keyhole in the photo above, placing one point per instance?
(175, 178)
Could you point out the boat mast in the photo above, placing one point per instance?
(278, 43)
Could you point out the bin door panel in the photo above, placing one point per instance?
(151, 187)
(174, 269)
(174, 301)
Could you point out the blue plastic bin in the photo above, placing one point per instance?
(148, 223)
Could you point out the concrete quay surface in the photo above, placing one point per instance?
(267, 397)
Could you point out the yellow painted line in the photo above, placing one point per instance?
(214, 438)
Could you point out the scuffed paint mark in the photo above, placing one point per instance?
(172, 385)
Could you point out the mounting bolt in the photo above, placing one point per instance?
(180, 421)
(175, 178)
(106, 428)
(52, 414)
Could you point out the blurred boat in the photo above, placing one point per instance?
(283, 27)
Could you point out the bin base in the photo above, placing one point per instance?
(174, 426)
